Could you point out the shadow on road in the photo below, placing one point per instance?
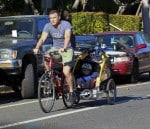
(124, 99)
(124, 80)
(119, 100)
(8, 97)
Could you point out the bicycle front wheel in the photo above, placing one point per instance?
(46, 92)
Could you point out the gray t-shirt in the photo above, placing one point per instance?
(58, 34)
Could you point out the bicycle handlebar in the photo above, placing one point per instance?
(56, 52)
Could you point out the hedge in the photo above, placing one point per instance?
(93, 22)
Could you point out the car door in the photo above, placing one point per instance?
(143, 53)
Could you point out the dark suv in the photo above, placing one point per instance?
(19, 66)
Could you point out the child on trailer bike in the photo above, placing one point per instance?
(88, 78)
(60, 31)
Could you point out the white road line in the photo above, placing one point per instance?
(119, 87)
(18, 104)
(47, 117)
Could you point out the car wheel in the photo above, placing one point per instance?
(135, 73)
(28, 82)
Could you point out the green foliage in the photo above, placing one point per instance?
(101, 22)
(126, 22)
(89, 22)
(93, 22)
(82, 22)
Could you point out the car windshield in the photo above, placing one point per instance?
(109, 40)
(16, 28)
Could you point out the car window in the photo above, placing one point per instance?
(110, 39)
(19, 28)
(140, 39)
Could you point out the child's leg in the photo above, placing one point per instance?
(92, 83)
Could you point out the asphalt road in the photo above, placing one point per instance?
(131, 111)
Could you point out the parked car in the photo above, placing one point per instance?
(18, 64)
(129, 52)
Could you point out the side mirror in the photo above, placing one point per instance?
(140, 47)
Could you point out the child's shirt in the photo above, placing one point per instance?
(85, 80)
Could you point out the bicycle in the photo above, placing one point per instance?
(52, 85)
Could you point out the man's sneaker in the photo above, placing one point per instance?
(72, 97)
(56, 95)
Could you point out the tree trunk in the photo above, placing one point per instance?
(121, 9)
(84, 3)
(139, 10)
(31, 6)
(75, 5)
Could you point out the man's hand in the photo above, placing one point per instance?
(62, 50)
(35, 50)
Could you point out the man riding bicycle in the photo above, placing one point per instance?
(60, 31)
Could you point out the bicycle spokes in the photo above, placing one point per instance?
(46, 93)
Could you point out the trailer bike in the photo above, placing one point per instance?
(52, 83)
(104, 84)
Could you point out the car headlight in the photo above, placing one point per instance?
(121, 59)
(8, 54)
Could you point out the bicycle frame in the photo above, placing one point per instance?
(102, 65)
(57, 79)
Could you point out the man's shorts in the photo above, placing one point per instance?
(67, 57)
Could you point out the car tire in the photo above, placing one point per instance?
(28, 82)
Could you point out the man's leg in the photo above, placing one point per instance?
(46, 63)
(69, 78)
(68, 63)
(67, 58)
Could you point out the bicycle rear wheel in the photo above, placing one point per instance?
(111, 92)
(46, 93)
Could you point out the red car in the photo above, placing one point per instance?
(129, 52)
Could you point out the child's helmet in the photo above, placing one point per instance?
(87, 66)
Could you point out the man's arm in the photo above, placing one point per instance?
(67, 38)
(40, 42)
